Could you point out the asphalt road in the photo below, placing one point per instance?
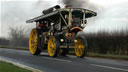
(64, 64)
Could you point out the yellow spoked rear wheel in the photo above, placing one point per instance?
(53, 47)
(80, 47)
(33, 43)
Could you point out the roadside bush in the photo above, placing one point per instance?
(4, 41)
(108, 43)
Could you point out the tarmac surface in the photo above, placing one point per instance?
(64, 64)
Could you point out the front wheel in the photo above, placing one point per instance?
(33, 42)
(53, 46)
(80, 47)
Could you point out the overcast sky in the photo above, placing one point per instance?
(112, 14)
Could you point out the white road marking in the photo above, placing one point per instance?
(58, 59)
(109, 67)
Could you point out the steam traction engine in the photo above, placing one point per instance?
(56, 31)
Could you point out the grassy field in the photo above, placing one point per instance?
(8, 67)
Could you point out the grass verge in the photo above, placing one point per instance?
(17, 48)
(110, 56)
(107, 56)
(8, 67)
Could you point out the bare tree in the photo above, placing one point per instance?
(17, 36)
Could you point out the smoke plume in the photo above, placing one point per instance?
(76, 3)
(110, 18)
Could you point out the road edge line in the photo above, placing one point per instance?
(21, 65)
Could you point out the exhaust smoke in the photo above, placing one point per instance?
(110, 18)
(76, 3)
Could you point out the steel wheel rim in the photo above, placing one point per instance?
(79, 47)
(33, 42)
(51, 46)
